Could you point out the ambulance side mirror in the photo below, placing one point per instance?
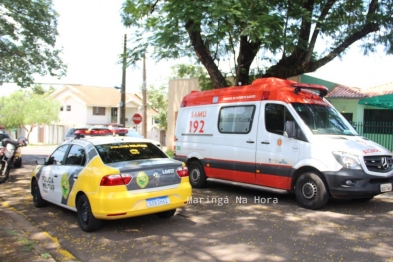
(290, 129)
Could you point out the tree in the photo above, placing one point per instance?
(27, 109)
(157, 99)
(287, 35)
(190, 71)
(28, 31)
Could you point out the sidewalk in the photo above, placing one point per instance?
(22, 241)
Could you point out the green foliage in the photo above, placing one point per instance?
(170, 153)
(39, 90)
(28, 31)
(157, 99)
(291, 37)
(27, 109)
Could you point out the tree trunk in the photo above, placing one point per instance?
(247, 53)
(204, 56)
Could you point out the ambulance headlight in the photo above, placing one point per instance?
(347, 160)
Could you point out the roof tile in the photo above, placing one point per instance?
(99, 96)
(341, 91)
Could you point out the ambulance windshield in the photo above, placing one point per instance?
(324, 120)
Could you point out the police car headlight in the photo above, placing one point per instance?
(347, 160)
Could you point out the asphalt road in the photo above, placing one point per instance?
(223, 223)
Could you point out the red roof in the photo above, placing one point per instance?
(341, 91)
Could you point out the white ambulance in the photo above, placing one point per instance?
(282, 136)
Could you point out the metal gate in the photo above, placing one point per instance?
(379, 132)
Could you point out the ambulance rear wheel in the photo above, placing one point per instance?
(311, 191)
(197, 175)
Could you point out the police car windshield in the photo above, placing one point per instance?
(120, 152)
(324, 120)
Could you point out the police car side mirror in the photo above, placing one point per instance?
(290, 129)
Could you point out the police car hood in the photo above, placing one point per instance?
(356, 145)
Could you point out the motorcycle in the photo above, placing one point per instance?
(7, 155)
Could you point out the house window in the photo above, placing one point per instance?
(61, 108)
(98, 111)
(68, 108)
(347, 116)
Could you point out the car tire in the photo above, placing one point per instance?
(38, 201)
(18, 163)
(311, 191)
(197, 175)
(87, 221)
(166, 214)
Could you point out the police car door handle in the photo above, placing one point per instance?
(265, 142)
(250, 142)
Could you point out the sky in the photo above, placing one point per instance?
(92, 38)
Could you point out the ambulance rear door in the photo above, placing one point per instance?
(276, 154)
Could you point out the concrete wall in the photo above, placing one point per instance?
(178, 88)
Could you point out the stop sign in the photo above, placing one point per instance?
(136, 118)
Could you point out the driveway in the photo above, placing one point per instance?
(221, 223)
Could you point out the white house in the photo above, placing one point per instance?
(89, 105)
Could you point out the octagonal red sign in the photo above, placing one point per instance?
(137, 119)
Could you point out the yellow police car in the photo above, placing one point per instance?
(110, 177)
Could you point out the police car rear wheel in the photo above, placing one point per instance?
(38, 201)
(311, 191)
(166, 214)
(197, 175)
(86, 219)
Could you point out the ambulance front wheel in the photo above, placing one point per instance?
(311, 191)
(197, 175)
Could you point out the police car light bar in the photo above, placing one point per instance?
(93, 132)
(99, 132)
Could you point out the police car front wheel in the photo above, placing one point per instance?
(38, 201)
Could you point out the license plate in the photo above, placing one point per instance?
(158, 201)
(386, 187)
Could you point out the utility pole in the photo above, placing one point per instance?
(144, 118)
(123, 87)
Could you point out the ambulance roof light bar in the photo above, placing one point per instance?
(322, 89)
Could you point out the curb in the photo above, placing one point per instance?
(44, 246)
